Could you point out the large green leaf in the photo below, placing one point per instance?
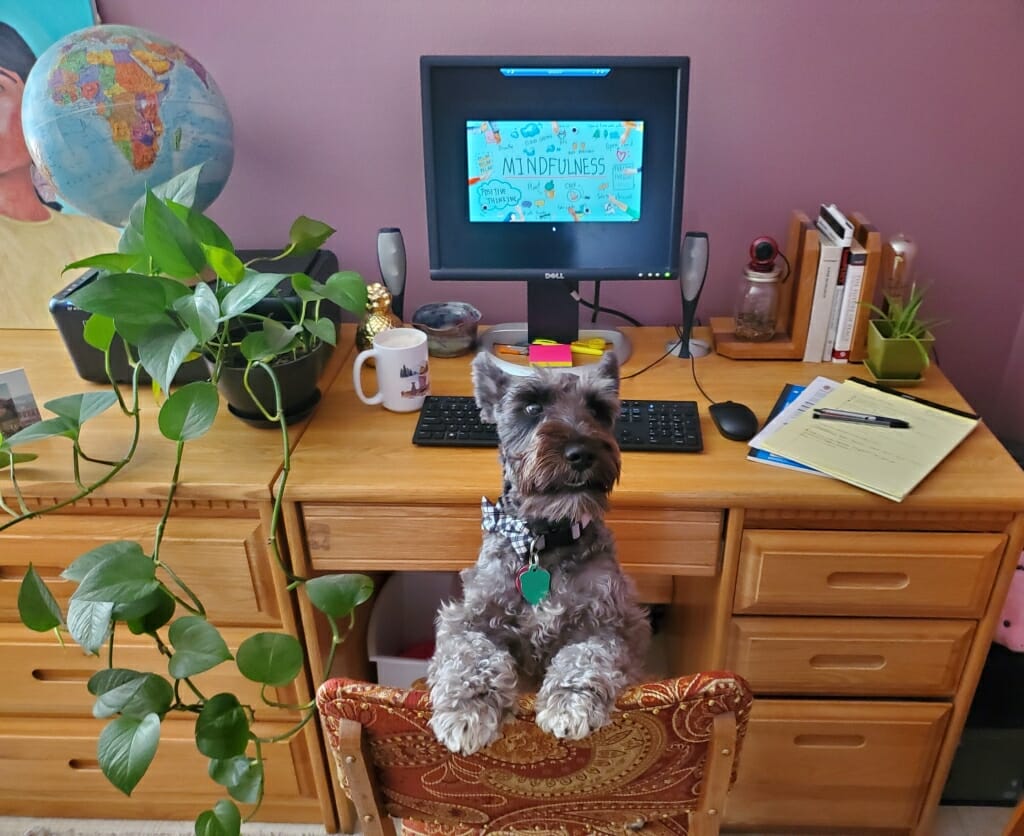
(323, 329)
(272, 340)
(7, 458)
(163, 351)
(270, 658)
(338, 595)
(347, 290)
(225, 263)
(114, 262)
(206, 231)
(253, 288)
(89, 623)
(199, 311)
(87, 561)
(303, 286)
(170, 242)
(242, 776)
(37, 607)
(307, 234)
(133, 297)
(189, 412)
(197, 647)
(161, 611)
(223, 820)
(126, 749)
(83, 406)
(121, 579)
(49, 428)
(129, 693)
(222, 727)
(99, 332)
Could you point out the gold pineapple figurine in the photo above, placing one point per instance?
(379, 316)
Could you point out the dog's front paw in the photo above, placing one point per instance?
(572, 715)
(466, 731)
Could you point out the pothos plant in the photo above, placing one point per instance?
(175, 289)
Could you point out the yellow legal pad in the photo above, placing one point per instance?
(886, 461)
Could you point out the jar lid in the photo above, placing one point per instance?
(756, 276)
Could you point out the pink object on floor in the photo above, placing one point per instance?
(1010, 630)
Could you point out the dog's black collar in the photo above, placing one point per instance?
(532, 537)
(551, 534)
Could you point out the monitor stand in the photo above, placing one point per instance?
(553, 314)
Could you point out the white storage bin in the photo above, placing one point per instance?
(403, 616)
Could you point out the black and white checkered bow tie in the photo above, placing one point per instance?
(521, 537)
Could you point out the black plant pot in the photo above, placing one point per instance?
(297, 378)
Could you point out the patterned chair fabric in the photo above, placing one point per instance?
(645, 771)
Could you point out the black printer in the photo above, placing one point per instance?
(88, 361)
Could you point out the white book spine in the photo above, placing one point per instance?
(837, 303)
(850, 305)
(829, 258)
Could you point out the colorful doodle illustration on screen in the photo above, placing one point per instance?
(554, 171)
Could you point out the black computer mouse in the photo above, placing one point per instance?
(736, 421)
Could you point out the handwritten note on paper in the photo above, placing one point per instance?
(887, 461)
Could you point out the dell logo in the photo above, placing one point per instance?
(554, 275)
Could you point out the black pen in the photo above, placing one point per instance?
(861, 418)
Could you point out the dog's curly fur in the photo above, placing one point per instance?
(585, 641)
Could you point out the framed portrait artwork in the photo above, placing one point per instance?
(38, 235)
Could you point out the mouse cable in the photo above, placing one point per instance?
(653, 363)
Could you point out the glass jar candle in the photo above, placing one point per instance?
(758, 306)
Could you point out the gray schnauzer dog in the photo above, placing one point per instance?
(546, 607)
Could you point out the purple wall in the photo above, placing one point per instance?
(910, 112)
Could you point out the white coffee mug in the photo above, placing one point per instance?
(403, 371)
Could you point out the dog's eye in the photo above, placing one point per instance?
(533, 409)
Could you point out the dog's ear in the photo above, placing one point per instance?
(608, 369)
(489, 384)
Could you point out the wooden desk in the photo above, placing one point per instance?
(862, 624)
(216, 540)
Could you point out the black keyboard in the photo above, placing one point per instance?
(674, 426)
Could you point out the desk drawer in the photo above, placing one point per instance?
(440, 538)
(42, 678)
(850, 656)
(811, 764)
(866, 573)
(53, 770)
(224, 560)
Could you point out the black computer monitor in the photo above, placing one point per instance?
(553, 171)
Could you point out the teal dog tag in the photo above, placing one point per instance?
(534, 583)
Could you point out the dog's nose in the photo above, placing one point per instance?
(579, 456)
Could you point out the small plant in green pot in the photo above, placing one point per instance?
(899, 340)
(176, 289)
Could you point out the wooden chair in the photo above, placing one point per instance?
(662, 766)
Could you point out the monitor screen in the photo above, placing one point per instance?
(554, 170)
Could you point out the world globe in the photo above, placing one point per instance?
(110, 110)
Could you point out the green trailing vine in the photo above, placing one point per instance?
(176, 289)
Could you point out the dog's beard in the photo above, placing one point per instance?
(551, 488)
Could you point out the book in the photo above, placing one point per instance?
(850, 305)
(887, 461)
(790, 393)
(835, 233)
(837, 305)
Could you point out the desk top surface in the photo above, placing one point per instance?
(353, 453)
(232, 462)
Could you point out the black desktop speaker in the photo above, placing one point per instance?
(391, 259)
(88, 361)
(693, 271)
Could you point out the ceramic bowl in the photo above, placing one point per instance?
(450, 327)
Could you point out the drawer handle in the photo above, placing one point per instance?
(84, 764)
(868, 580)
(848, 661)
(830, 741)
(58, 675)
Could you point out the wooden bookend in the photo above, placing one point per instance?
(795, 296)
(871, 239)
